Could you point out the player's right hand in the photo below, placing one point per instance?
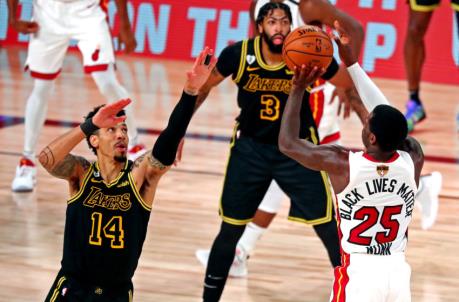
(304, 77)
(106, 116)
(25, 27)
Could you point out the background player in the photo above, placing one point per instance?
(419, 18)
(108, 212)
(375, 189)
(54, 24)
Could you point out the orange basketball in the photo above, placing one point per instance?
(307, 45)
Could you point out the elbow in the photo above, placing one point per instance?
(46, 160)
(286, 145)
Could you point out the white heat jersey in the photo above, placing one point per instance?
(375, 208)
(296, 17)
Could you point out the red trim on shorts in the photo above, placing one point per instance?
(93, 68)
(341, 279)
(42, 76)
(331, 138)
(390, 160)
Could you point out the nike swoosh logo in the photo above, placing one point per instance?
(252, 68)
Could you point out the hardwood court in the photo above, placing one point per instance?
(289, 264)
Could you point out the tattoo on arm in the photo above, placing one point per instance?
(46, 158)
(66, 168)
(155, 163)
(139, 160)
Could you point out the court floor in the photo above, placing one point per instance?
(289, 263)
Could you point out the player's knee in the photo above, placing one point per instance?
(230, 233)
(416, 30)
(42, 89)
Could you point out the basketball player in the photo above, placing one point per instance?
(110, 199)
(55, 23)
(263, 80)
(420, 15)
(324, 109)
(375, 189)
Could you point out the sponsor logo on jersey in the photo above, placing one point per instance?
(123, 184)
(111, 202)
(249, 69)
(382, 170)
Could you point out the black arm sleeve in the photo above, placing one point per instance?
(229, 59)
(168, 141)
(331, 70)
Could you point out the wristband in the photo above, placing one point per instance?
(88, 127)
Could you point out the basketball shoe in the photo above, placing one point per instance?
(136, 151)
(428, 198)
(415, 113)
(25, 178)
(238, 267)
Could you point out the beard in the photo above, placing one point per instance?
(272, 47)
(120, 158)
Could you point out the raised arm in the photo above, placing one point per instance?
(330, 158)
(150, 167)
(323, 12)
(371, 95)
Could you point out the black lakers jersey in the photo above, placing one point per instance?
(105, 228)
(263, 92)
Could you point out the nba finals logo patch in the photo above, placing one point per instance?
(382, 170)
(250, 59)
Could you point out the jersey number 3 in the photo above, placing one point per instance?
(112, 230)
(270, 106)
(370, 217)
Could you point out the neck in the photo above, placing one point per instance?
(269, 57)
(380, 155)
(109, 168)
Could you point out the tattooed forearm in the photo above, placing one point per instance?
(46, 158)
(155, 163)
(66, 168)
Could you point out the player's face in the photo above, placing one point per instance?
(113, 142)
(274, 28)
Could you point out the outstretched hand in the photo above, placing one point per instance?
(344, 45)
(304, 77)
(200, 71)
(106, 116)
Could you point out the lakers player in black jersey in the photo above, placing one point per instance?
(264, 84)
(110, 199)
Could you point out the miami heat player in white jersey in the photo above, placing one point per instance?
(375, 209)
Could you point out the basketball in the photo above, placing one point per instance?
(307, 45)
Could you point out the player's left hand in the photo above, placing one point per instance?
(203, 66)
(126, 37)
(106, 116)
(304, 77)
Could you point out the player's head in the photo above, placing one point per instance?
(111, 142)
(273, 22)
(385, 127)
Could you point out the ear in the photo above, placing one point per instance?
(372, 139)
(260, 28)
(94, 141)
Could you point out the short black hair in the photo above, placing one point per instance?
(389, 126)
(89, 116)
(267, 9)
